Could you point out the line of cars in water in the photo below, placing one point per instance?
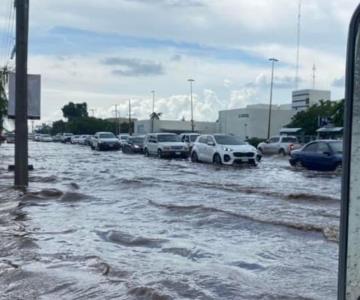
(221, 149)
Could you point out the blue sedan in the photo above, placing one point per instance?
(321, 155)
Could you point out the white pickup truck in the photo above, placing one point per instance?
(282, 145)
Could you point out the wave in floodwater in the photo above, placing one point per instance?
(129, 240)
(331, 233)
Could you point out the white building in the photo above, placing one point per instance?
(303, 99)
(145, 126)
(252, 121)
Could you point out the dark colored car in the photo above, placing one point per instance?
(134, 144)
(321, 155)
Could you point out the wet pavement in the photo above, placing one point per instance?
(105, 225)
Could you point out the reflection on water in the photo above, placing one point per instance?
(107, 225)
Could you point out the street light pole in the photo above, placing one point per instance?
(153, 110)
(273, 60)
(192, 105)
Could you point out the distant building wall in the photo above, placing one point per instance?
(303, 99)
(145, 126)
(252, 121)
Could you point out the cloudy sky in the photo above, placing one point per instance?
(106, 52)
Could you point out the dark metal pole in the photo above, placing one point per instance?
(192, 105)
(153, 111)
(273, 60)
(130, 131)
(21, 107)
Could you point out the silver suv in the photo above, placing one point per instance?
(165, 145)
(282, 145)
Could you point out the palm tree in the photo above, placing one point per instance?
(155, 116)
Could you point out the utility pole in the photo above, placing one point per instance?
(192, 106)
(313, 76)
(130, 131)
(21, 105)
(298, 45)
(273, 60)
(117, 120)
(153, 110)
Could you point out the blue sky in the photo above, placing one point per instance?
(107, 52)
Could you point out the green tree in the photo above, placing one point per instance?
(73, 111)
(308, 119)
(44, 129)
(58, 127)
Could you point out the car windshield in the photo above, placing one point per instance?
(106, 135)
(136, 140)
(168, 138)
(228, 140)
(125, 138)
(193, 137)
(337, 147)
(289, 140)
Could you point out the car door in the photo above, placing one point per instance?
(324, 157)
(153, 145)
(209, 148)
(274, 145)
(309, 156)
(200, 147)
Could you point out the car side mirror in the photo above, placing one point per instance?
(211, 144)
(349, 239)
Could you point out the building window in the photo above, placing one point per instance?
(244, 116)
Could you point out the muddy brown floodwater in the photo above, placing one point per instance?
(105, 225)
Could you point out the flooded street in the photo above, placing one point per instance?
(105, 225)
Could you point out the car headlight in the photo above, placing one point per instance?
(227, 149)
(136, 146)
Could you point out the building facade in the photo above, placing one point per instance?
(145, 126)
(303, 99)
(252, 121)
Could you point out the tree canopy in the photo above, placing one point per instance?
(72, 110)
(308, 119)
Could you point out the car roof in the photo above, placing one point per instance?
(163, 133)
(103, 132)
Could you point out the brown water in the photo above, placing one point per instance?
(113, 226)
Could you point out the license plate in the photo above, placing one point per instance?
(177, 153)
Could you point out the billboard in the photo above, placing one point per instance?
(34, 96)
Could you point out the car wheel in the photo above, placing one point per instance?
(194, 157)
(92, 147)
(282, 152)
(297, 164)
(253, 162)
(160, 154)
(146, 152)
(217, 159)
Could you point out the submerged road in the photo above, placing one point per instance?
(105, 225)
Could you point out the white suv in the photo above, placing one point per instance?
(282, 145)
(224, 149)
(104, 141)
(165, 145)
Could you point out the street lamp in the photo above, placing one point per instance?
(153, 110)
(192, 108)
(273, 61)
